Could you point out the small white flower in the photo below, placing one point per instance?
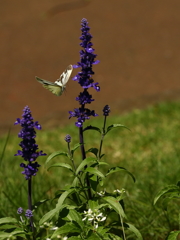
(65, 238)
(119, 191)
(94, 217)
(101, 193)
(54, 228)
(22, 220)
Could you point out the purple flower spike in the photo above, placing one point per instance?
(67, 138)
(20, 210)
(106, 110)
(28, 144)
(28, 213)
(84, 77)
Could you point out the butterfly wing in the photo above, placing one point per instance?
(64, 77)
(58, 86)
(53, 87)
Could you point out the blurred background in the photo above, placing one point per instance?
(137, 43)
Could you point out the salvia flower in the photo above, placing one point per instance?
(67, 138)
(84, 77)
(82, 114)
(28, 213)
(28, 144)
(20, 210)
(106, 110)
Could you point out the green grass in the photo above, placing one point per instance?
(150, 151)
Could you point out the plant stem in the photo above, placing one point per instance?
(72, 160)
(83, 153)
(74, 166)
(122, 227)
(102, 138)
(30, 202)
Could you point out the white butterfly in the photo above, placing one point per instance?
(58, 86)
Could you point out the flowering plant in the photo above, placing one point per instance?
(89, 212)
(83, 210)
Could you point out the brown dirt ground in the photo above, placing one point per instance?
(137, 42)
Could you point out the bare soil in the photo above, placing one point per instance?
(137, 43)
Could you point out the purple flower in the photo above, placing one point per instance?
(84, 77)
(20, 210)
(67, 138)
(28, 144)
(82, 114)
(30, 169)
(28, 213)
(84, 98)
(106, 110)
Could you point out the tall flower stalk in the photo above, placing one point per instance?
(84, 78)
(29, 152)
(106, 111)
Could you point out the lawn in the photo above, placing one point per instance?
(150, 151)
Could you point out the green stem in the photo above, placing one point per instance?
(102, 138)
(72, 160)
(122, 227)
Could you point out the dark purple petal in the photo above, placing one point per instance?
(67, 138)
(28, 144)
(18, 121)
(28, 213)
(106, 110)
(84, 77)
(20, 210)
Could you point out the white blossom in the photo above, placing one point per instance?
(119, 191)
(101, 193)
(94, 216)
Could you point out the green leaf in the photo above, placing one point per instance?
(115, 205)
(73, 238)
(7, 226)
(178, 184)
(37, 204)
(76, 217)
(76, 146)
(92, 128)
(93, 150)
(103, 163)
(55, 154)
(94, 182)
(94, 236)
(4, 235)
(85, 162)
(102, 231)
(75, 182)
(135, 231)
(62, 198)
(67, 228)
(48, 216)
(92, 204)
(119, 169)
(116, 125)
(64, 165)
(113, 237)
(167, 190)
(102, 155)
(8, 220)
(94, 171)
(173, 235)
